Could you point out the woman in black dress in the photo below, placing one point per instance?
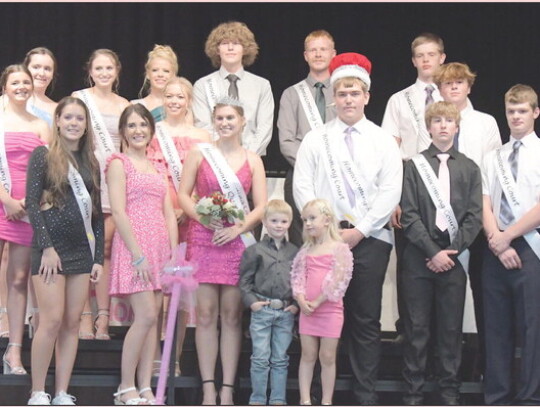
(63, 203)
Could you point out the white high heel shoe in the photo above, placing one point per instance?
(8, 369)
(135, 401)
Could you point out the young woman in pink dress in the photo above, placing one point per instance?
(146, 232)
(103, 69)
(218, 247)
(320, 276)
(161, 65)
(21, 132)
(177, 126)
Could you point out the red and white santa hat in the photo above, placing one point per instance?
(350, 64)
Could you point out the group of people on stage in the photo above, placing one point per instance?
(99, 191)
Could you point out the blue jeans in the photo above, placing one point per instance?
(271, 335)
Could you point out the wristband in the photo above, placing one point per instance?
(135, 263)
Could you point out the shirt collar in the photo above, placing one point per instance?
(433, 151)
(311, 81)
(527, 141)
(269, 241)
(421, 85)
(468, 109)
(223, 73)
(357, 126)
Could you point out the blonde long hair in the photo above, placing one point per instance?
(60, 156)
(326, 210)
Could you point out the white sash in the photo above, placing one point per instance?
(417, 123)
(334, 169)
(431, 181)
(101, 135)
(170, 153)
(511, 191)
(308, 104)
(5, 177)
(211, 92)
(84, 201)
(230, 185)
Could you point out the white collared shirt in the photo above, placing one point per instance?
(256, 96)
(400, 121)
(376, 155)
(478, 134)
(528, 175)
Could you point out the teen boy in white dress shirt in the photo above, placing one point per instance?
(358, 165)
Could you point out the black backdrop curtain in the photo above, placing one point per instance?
(499, 41)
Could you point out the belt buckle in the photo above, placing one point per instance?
(276, 304)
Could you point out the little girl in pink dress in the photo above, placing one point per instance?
(320, 276)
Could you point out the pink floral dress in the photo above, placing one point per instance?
(145, 194)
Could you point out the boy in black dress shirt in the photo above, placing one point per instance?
(266, 289)
(441, 216)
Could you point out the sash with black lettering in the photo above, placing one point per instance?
(511, 191)
(170, 153)
(308, 104)
(101, 135)
(442, 204)
(210, 86)
(5, 177)
(335, 169)
(84, 201)
(417, 123)
(230, 185)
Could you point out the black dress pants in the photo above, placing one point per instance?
(362, 303)
(425, 292)
(512, 311)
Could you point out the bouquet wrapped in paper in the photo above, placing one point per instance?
(217, 206)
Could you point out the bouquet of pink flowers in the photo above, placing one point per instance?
(216, 206)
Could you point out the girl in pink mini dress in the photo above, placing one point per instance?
(217, 248)
(146, 232)
(320, 276)
(21, 133)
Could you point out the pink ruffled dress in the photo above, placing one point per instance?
(19, 147)
(145, 194)
(330, 274)
(216, 264)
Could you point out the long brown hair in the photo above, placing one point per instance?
(60, 156)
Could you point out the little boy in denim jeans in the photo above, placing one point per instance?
(266, 289)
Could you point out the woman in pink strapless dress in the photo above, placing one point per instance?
(21, 134)
(218, 247)
(178, 125)
(320, 276)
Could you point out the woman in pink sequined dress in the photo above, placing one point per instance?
(320, 276)
(178, 126)
(146, 232)
(21, 134)
(218, 247)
